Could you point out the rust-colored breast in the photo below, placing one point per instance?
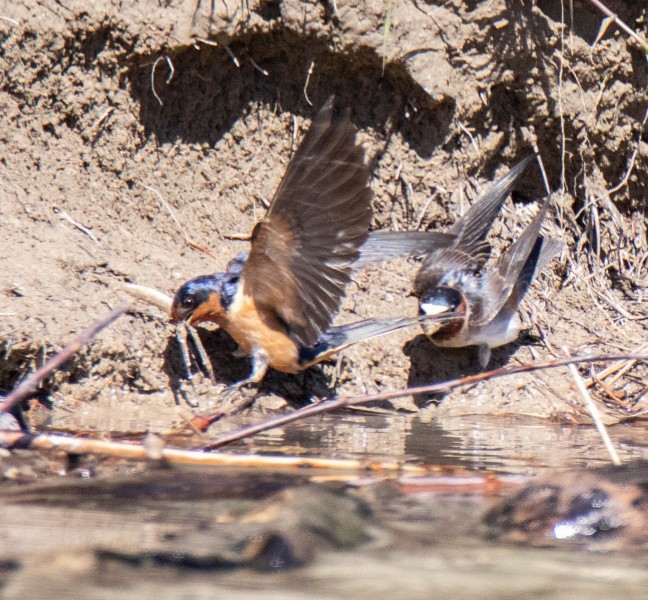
(253, 327)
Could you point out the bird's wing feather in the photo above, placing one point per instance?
(302, 252)
(388, 245)
(470, 250)
(513, 268)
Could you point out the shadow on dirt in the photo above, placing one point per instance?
(208, 92)
(430, 364)
(298, 389)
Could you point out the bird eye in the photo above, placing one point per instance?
(187, 302)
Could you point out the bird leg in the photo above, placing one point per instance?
(483, 355)
(259, 368)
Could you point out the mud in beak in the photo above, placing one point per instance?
(178, 313)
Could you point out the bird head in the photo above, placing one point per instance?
(199, 300)
(444, 300)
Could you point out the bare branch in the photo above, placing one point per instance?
(343, 401)
(28, 386)
(130, 451)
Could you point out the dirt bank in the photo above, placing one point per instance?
(127, 127)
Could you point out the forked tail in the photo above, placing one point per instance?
(338, 338)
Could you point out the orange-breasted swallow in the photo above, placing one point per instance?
(278, 301)
(486, 301)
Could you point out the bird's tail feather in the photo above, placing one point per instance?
(338, 338)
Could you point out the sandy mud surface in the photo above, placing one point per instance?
(132, 132)
(135, 133)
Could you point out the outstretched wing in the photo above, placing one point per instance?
(509, 280)
(302, 252)
(470, 250)
(471, 230)
(388, 245)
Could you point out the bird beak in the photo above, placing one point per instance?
(178, 315)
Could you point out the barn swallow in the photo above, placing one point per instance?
(485, 300)
(278, 301)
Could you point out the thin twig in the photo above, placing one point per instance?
(421, 216)
(10, 20)
(73, 222)
(608, 390)
(106, 113)
(445, 386)
(166, 205)
(633, 157)
(246, 237)
(596, 416)
(28, 386)
(168, 80)
(308, 76)
(233, 57)
(619, 369)
(545, 179)
(261, 70)
(183, 231)
(472, 140)
(150, 295)
(633, 34)
(207, 42)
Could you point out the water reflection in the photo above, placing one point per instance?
(510, 445)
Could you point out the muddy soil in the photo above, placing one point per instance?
(129, 129)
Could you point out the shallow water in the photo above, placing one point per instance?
(506, 445)
(164, 533)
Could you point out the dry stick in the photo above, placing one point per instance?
(169, 78)
(308, 76)
(619, 369)
(61, 213)
(633, 34)
(166, 205)
(633, 157)
(619, 402)
(28, 386)
(261, 70)
(106, 113)
(596, 415)
(10, 20)
(545, 180)
(150, 295)
(76, 445)
(342, 401)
